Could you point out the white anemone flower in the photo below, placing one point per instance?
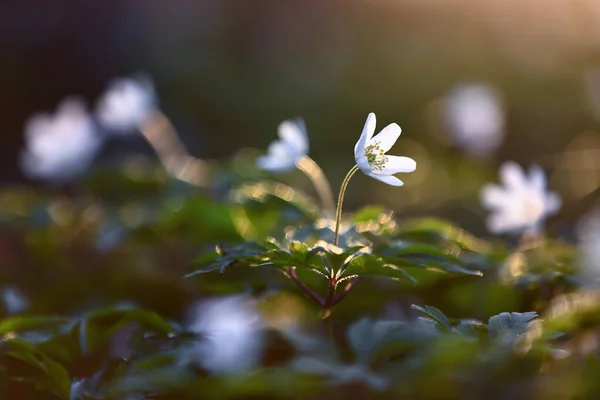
(475, 118)
(231, 331)
(14, 300)
(60, 147)
(522, 203)
(285, 154)
(370, 156)
(126, 104)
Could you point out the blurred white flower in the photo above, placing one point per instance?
(232, 339)
(522, 203)
(588, 232)
(126, 103)
(14, 300)
(284, 154)
(76, 389)
(369, 153)
(60, 147)
(475, 118)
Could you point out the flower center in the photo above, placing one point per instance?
(533, 209)
(375, 156)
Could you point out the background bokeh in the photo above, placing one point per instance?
(227, 72)
(103, 276)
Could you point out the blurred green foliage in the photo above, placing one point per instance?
(422, 309)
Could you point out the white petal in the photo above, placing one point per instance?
(365, 136)
(293, 133)
(387, 137)
(389, 179)
(497, 223)
(501, 222)
(507, 220)
(36, 125)
(363, 164)
(279, 149)
(552, 203)
(512, 176)
(537, 178)
(126, 103)
(280, 158)
(273, 164)
(396, 165)
(62, 145)
(494, 197)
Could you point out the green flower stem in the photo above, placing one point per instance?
(338, 216)
(319, 181)
(162, 136)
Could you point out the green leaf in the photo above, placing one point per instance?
(508, 326)
(48, 375)
(419, 249)
(216, 266)
(435, 230)
(472, 328)
(427, 256)
(265, 208)
(23, 351)
(58, 376)
(22, 323)
(370, 265)
(365, 336)
(435, 315)
(431, 263)
(99, 326)
(368, 213)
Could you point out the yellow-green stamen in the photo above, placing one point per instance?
(375, 156)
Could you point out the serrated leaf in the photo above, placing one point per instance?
(217, 266)
(365, 336)
(420, 249)
(506, 327)
(435, 315)
(471, 328)
(425, 262)
(370, 265)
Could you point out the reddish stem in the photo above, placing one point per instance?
(345, 291)
(308, 291)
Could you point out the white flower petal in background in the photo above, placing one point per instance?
(14, 300)
(231, 335)
(475, 118)
(60, 147)
(369, 153)
(126, 103)
(284, 154)
(522, 202)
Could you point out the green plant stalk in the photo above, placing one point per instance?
(312, 170)
(162, 136)
(340, 202)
